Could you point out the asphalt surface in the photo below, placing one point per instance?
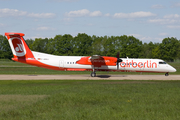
(87, 77)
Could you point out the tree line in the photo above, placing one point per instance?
(85, 45)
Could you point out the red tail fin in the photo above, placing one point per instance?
(18, 46)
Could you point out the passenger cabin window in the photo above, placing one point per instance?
(71, 63)
(162, 62)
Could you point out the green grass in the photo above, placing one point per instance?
(11, 67)
(90, 100)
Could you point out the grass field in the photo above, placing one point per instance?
(90, 100)
(11, 67)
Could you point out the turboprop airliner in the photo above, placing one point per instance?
(93, 63)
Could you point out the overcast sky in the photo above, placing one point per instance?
(147, 20)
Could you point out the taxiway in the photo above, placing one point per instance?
(87, 77)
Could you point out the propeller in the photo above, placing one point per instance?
(118, 60)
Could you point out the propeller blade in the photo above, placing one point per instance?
(117, 56)
(117, 66)
(118, 60)
(117, 63)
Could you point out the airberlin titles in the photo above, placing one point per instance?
(147, 64)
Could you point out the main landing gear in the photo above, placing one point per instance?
(167, 74)
(93, 74)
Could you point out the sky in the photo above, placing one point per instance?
(147, 20)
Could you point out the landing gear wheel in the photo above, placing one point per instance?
(166, 74)
(93, 74)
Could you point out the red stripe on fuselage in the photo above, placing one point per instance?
(37, 63)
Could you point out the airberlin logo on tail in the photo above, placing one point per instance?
(17, 46)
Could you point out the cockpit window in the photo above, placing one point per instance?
(162, 62)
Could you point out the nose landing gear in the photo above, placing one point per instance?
(167, 74)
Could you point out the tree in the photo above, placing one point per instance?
(40, 45)
(51, 46)
(108, 44)
(29, 42)
(147, 49)
(56, 40)
(130, 46)
(64, 44)
(168, 49)
(82, 45)
(178, 51)
(156, 52)
(97, 47)
(5, 50)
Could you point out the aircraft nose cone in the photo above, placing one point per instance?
(173, 69)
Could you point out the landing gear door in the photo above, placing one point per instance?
(61, 63)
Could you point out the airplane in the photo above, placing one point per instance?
(93, 63)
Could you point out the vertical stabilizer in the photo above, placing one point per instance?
(18, 46)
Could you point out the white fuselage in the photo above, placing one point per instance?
(128, 64)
